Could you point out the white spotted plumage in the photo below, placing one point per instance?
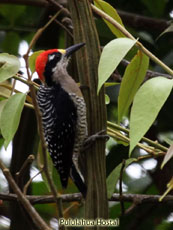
(74, 127)
(81, 131)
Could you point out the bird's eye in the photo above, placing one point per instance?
(54, 57)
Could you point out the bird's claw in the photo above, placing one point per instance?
(89, 141)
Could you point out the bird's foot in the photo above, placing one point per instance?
(89, 141)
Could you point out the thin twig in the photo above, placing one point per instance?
(127, 34)
(70, 207)
(118, 135)
(30, 181)
(131, 208)
(102, 14)
(29, 105)
(59, 6)
(65, 28)
(23, 200)
(24, 168)
(13, 87)
(121, 189)
(148, 141)
(39, 121)
(149, 74)
(17, 77)
(35, 38)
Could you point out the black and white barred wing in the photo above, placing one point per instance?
(59, 118)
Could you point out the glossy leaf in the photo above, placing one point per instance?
(2, 104)
(32, 60)
(131, 81)
(10, 116)
(108, 9)
(112, 179)
(9, 66)
(168, 156)
(111, 56)
(147, 103)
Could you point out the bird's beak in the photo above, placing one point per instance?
(73, 49)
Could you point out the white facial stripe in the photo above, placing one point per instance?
(51, 57)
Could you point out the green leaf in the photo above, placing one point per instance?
(10, 116)
(111, 56)
(2, 103)
(108, 9)
(9, 66)
(132, 79)
(32, 60)
(112, 179)
(168, 156)
(107, 99)
(147, 103)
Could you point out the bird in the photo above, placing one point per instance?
(63, 113)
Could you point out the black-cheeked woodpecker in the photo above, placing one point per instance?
(63, 112)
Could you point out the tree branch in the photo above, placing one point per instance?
(149, 74)
(142, 22)
(140, 198)
(129, 19)
(137, 198)
(40, 3)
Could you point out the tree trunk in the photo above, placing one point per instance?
(96, 205)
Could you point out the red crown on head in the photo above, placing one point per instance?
(41, 61)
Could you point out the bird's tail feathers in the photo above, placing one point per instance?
(78, 180)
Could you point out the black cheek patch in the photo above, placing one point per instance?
(53, 59)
